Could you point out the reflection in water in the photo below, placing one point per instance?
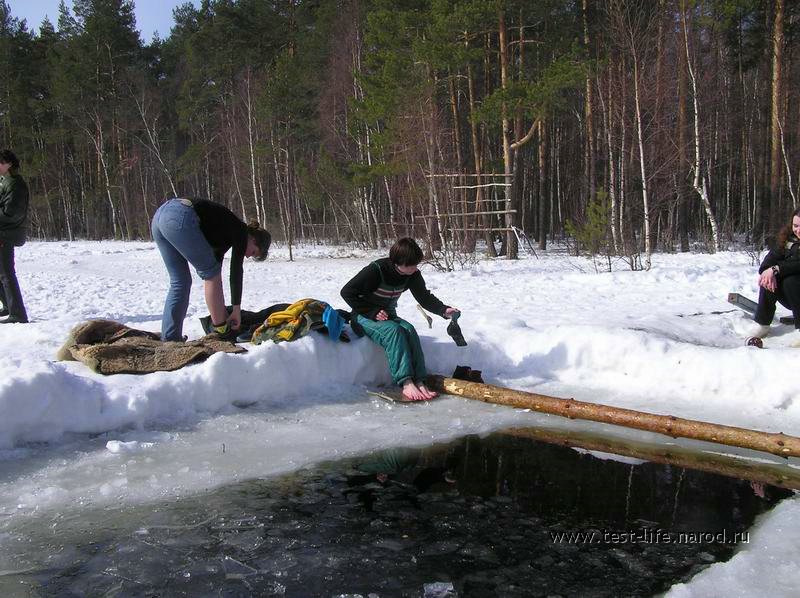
(474, 517)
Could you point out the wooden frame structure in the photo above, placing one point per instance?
(481, 216)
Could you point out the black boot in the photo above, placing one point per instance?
(14, 320)
(454, 330)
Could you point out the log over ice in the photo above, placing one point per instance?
(668, 425)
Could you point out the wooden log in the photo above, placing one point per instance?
(668, 425)
(774, 474)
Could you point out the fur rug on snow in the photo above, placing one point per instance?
(109, 347)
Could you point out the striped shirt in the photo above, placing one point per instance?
(379, 285)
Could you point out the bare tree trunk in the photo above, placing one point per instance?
(98, 140)
(232, 145)
(207, 170)
(542, 200)
(476, 156)
(361, 138)
(461, 195)
(437, 224)
(262, 196)
(292, 212)
(682, 200)
(776, 105)
(556, 194)
(251, 147)
(281, 192)
(145, 195)
(519, 169)
(65, 194)
(154, 143)
(657, 154)
(608, 116)
(589, 157)
(699, 183)
(511, 240)
(648, 250)
(623, 187)
(789, 183)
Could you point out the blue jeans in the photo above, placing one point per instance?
(176, 231)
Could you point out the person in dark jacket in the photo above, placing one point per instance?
(199, 232)
(13, 230)
(779, 279)
(373, 294)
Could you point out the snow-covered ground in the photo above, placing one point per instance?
(663, 341)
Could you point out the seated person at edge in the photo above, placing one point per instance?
(779, 279)
(373, 295)
(199, 232)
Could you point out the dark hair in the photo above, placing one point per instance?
(785, 233)
(405, 252)
(262, 238)
(8, 157)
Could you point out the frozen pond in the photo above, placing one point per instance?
(476, 516)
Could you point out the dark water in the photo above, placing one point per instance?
(474, 517)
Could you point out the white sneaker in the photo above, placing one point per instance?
(758, 330)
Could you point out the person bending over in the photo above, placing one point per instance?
(200, 232)
(373, 294)
(779, 279)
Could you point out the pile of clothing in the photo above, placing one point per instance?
(298, 319)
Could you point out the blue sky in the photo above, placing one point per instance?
(151, 15)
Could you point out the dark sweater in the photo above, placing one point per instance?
(787, 258)
(13, 209)
(224, 230)
(358, 293)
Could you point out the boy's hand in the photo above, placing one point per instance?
(382, 316)
(448, 313)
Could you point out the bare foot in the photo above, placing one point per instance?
(411, 392)
(429, 394)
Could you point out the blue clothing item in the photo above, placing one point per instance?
(176, 231)
(333, 322)
(400, 342)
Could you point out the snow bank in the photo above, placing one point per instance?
(767, 566)
(645, 340)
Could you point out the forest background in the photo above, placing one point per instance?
(622, 127)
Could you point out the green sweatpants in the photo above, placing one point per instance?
(401, 344)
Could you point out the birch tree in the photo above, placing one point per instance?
(699, 182)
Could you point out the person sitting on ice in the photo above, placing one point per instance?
(779, 279)
(373, 294)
